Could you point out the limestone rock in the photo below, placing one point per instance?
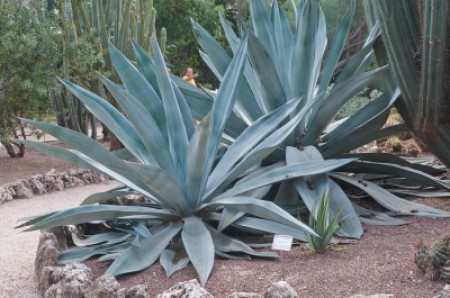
(186, 289)
(139, 291)
(37, 184)
(280, 289)
(71, 281)
(47, 252)
(104, 287)
(445, 293)
(53, 181)
(5, 195)
(244, 295)
(22, 189)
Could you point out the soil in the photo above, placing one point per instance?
(381, 262)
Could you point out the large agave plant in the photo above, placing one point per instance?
(191, 195)
(285, 63)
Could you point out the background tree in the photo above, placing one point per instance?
(29, 51)
(182, 49)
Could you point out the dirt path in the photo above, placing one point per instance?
(17, 250)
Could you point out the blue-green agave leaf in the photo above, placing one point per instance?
(389, 201)
(167, 262)
(137, 258)
(199, 246)
(108, 238)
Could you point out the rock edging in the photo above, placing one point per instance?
(49, 182)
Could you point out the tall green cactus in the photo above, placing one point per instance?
(416, 38)
(88, 26)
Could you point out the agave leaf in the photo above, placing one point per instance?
(162, 185)
(89, 213)
(261, 25)
(226, 244)
(260, 208)
(376, 107)
(108, 238)
(113, 119)
(232, 257)
(223, 106)
(393, 159)
(370, 217)
(107, 195)
(109, 257)
(312, 188)
(31, 220)
(178, 140)
(250, 138)
(355, 139)
(167, 262)
(336, 100)
(146, 65)
(196, 163)
(286, 172)
(272, 92)
(395, 169)
(266, 226)
(258, 153)
(228, 217)
(337, 46)
(356, 60)
(151, 134)
(137, 258)
(420, 193)
(139, 88)
(141, 230)
(199, 246)
(389, 201)
(284, 43)
(309, 47)
(84, 253)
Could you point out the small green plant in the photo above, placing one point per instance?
(320, 222)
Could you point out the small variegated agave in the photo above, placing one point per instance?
(191, 195)
(285, 63)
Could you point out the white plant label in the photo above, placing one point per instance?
(282, 242)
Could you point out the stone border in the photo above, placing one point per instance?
(49, 182)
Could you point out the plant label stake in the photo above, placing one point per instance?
(282, 242)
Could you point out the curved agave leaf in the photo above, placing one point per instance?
(226, 244)
(149, 131)
(108, 238)
(86, 214)
(139, 88)
(84, 253)
(197, 158)
(113, 119)
(393, 159)
(107, 195)
(309, 47)
(199, 246)
(250, 138)
(264, 209)
(223, 105)
(167, 262)
(137, 258)
(370, 217)
(394, 169)
(337, 46)
(389, 201)
(312, 188)
(336, 100)
(164, 187)
(265, 226)
(284, 42)
(283, 173)
(178, 141)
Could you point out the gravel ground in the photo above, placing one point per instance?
(17, 250)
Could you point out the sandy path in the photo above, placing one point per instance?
(17, 250)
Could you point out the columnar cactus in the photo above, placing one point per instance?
(416, 45)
